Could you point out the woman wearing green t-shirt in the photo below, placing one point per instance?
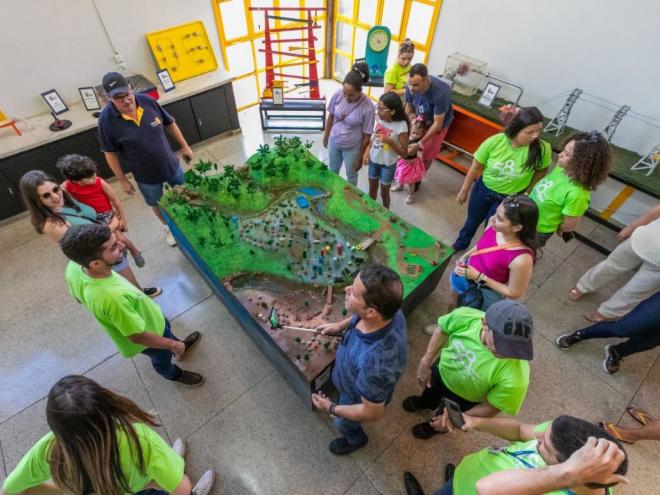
(563, 195)
(396, 75)
(101, 443)
(507, 163)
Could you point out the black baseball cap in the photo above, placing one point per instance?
(114, 84)
(512, 327)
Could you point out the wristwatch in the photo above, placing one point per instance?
(481, 279)
(331, 409)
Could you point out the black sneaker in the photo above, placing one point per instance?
(190, 379)
(341, 446)
(568, 339)
(152, 291)
(612, 360)
(412, 485)
(414, 403)
(424, 431)
(190, 341)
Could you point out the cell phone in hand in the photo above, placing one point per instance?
(454, 412)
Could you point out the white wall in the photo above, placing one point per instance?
(609, 48)
(61, 44)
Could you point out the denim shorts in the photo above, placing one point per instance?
(123, 264)
(153, 192)
(384, 173)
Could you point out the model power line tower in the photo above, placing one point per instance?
(307, 52)
(609, 131)
(558, 123)
(648, 162)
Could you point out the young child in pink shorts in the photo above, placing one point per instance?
(411, 169)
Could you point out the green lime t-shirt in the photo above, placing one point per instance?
(557, 195)
(397, 75)
(120, 307)
(161, 464)
(503, 164)
(471, 371)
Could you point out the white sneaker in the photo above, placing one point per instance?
(205, 483)
(179, 446)
(169, 238)
(430, 329)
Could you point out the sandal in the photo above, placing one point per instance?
(574, 294)
(397, 188)
(595, 317)
(410, 199)
(640, 416)
(613, 430)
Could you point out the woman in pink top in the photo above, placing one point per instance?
(502, 261)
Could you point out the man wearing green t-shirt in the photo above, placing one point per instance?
(479, 360)
(566, 456)
(133, 321)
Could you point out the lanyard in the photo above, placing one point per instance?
(519, 456)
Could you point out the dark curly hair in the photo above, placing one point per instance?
(76, 167)
(591, 160)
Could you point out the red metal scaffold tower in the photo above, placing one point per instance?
(308, 26)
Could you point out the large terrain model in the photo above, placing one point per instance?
(284, 235)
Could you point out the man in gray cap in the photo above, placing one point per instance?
(479, 360)
(132, 128)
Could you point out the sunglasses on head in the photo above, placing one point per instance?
(511, 202)
(56, 190)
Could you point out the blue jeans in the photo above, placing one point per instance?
(383, 173)
(447, 489)
(153, 192)
(351, 430)
(349, 157)
(641, 325)
(482, 205)
(161, 359)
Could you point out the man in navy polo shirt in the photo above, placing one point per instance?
(370, 358)
(430, 97)
(131, 127)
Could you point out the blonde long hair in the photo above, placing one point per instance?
(86, 419)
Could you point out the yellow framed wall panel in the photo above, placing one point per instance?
(184, 50)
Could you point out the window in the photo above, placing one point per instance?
(241, 33)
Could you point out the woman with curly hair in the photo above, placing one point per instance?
(102, 443)
(563, 195)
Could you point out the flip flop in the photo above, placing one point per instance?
(638, 415)
(613, 430)
(574, 294)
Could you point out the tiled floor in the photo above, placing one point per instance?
(245, 422)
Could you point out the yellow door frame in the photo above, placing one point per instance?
(253, 37)
(355, 23)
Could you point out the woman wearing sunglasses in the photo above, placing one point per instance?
(53, 211)
(500, 265)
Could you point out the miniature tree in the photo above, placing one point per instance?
(202, 167)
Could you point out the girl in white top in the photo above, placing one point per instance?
(389, 141)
